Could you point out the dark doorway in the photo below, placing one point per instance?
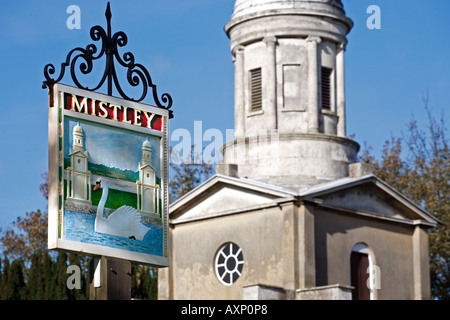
(359, 263)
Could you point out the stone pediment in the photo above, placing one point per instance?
(368, 196)
(223, 195)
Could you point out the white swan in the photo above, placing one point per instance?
(124, 222)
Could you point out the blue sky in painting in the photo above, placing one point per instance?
(112, 147)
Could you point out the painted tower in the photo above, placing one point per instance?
(147, 188)
(290, 91)
(78, 175)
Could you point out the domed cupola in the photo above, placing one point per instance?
(147, 153)
(78, 137)
(243, 7)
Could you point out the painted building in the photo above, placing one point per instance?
(291, 215)
(148, 192)
(78, 175)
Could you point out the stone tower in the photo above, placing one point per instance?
(289, 92)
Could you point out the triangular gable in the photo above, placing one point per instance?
(147, 166)
(368, 195)
(223, 195)
(74, 152)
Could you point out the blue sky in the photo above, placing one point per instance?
(184, 47)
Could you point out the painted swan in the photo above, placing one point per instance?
(124, 222)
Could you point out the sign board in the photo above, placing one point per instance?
(108, 176)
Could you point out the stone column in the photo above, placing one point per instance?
(90, 185)
(270, 83)
(421, 264)
(305, 249)
(340, 90)
(239, 92)
(313, 84)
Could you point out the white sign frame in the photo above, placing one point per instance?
(59, 115)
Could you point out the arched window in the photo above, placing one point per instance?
(364, 274)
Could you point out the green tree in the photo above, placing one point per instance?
(42, 275)
(16, 282)
(423, 175)
(4, 289)
(1, 279)
(48, 275)
(35, 281)
(144, 284)
(61, 292)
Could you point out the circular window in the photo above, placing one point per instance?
(229, 263)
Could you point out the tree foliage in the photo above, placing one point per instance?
(422, 173)
(143, 282)
(37, 274)
(186, 176)
(27, 236)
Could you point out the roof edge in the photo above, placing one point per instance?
(305, 194)
(348, 182)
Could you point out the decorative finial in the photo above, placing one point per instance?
(108, 12)
(108, 16)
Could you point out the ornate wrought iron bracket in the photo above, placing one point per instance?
(137, 74)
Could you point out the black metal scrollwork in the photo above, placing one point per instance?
(137, 74)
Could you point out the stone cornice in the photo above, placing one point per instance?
(298, 136)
